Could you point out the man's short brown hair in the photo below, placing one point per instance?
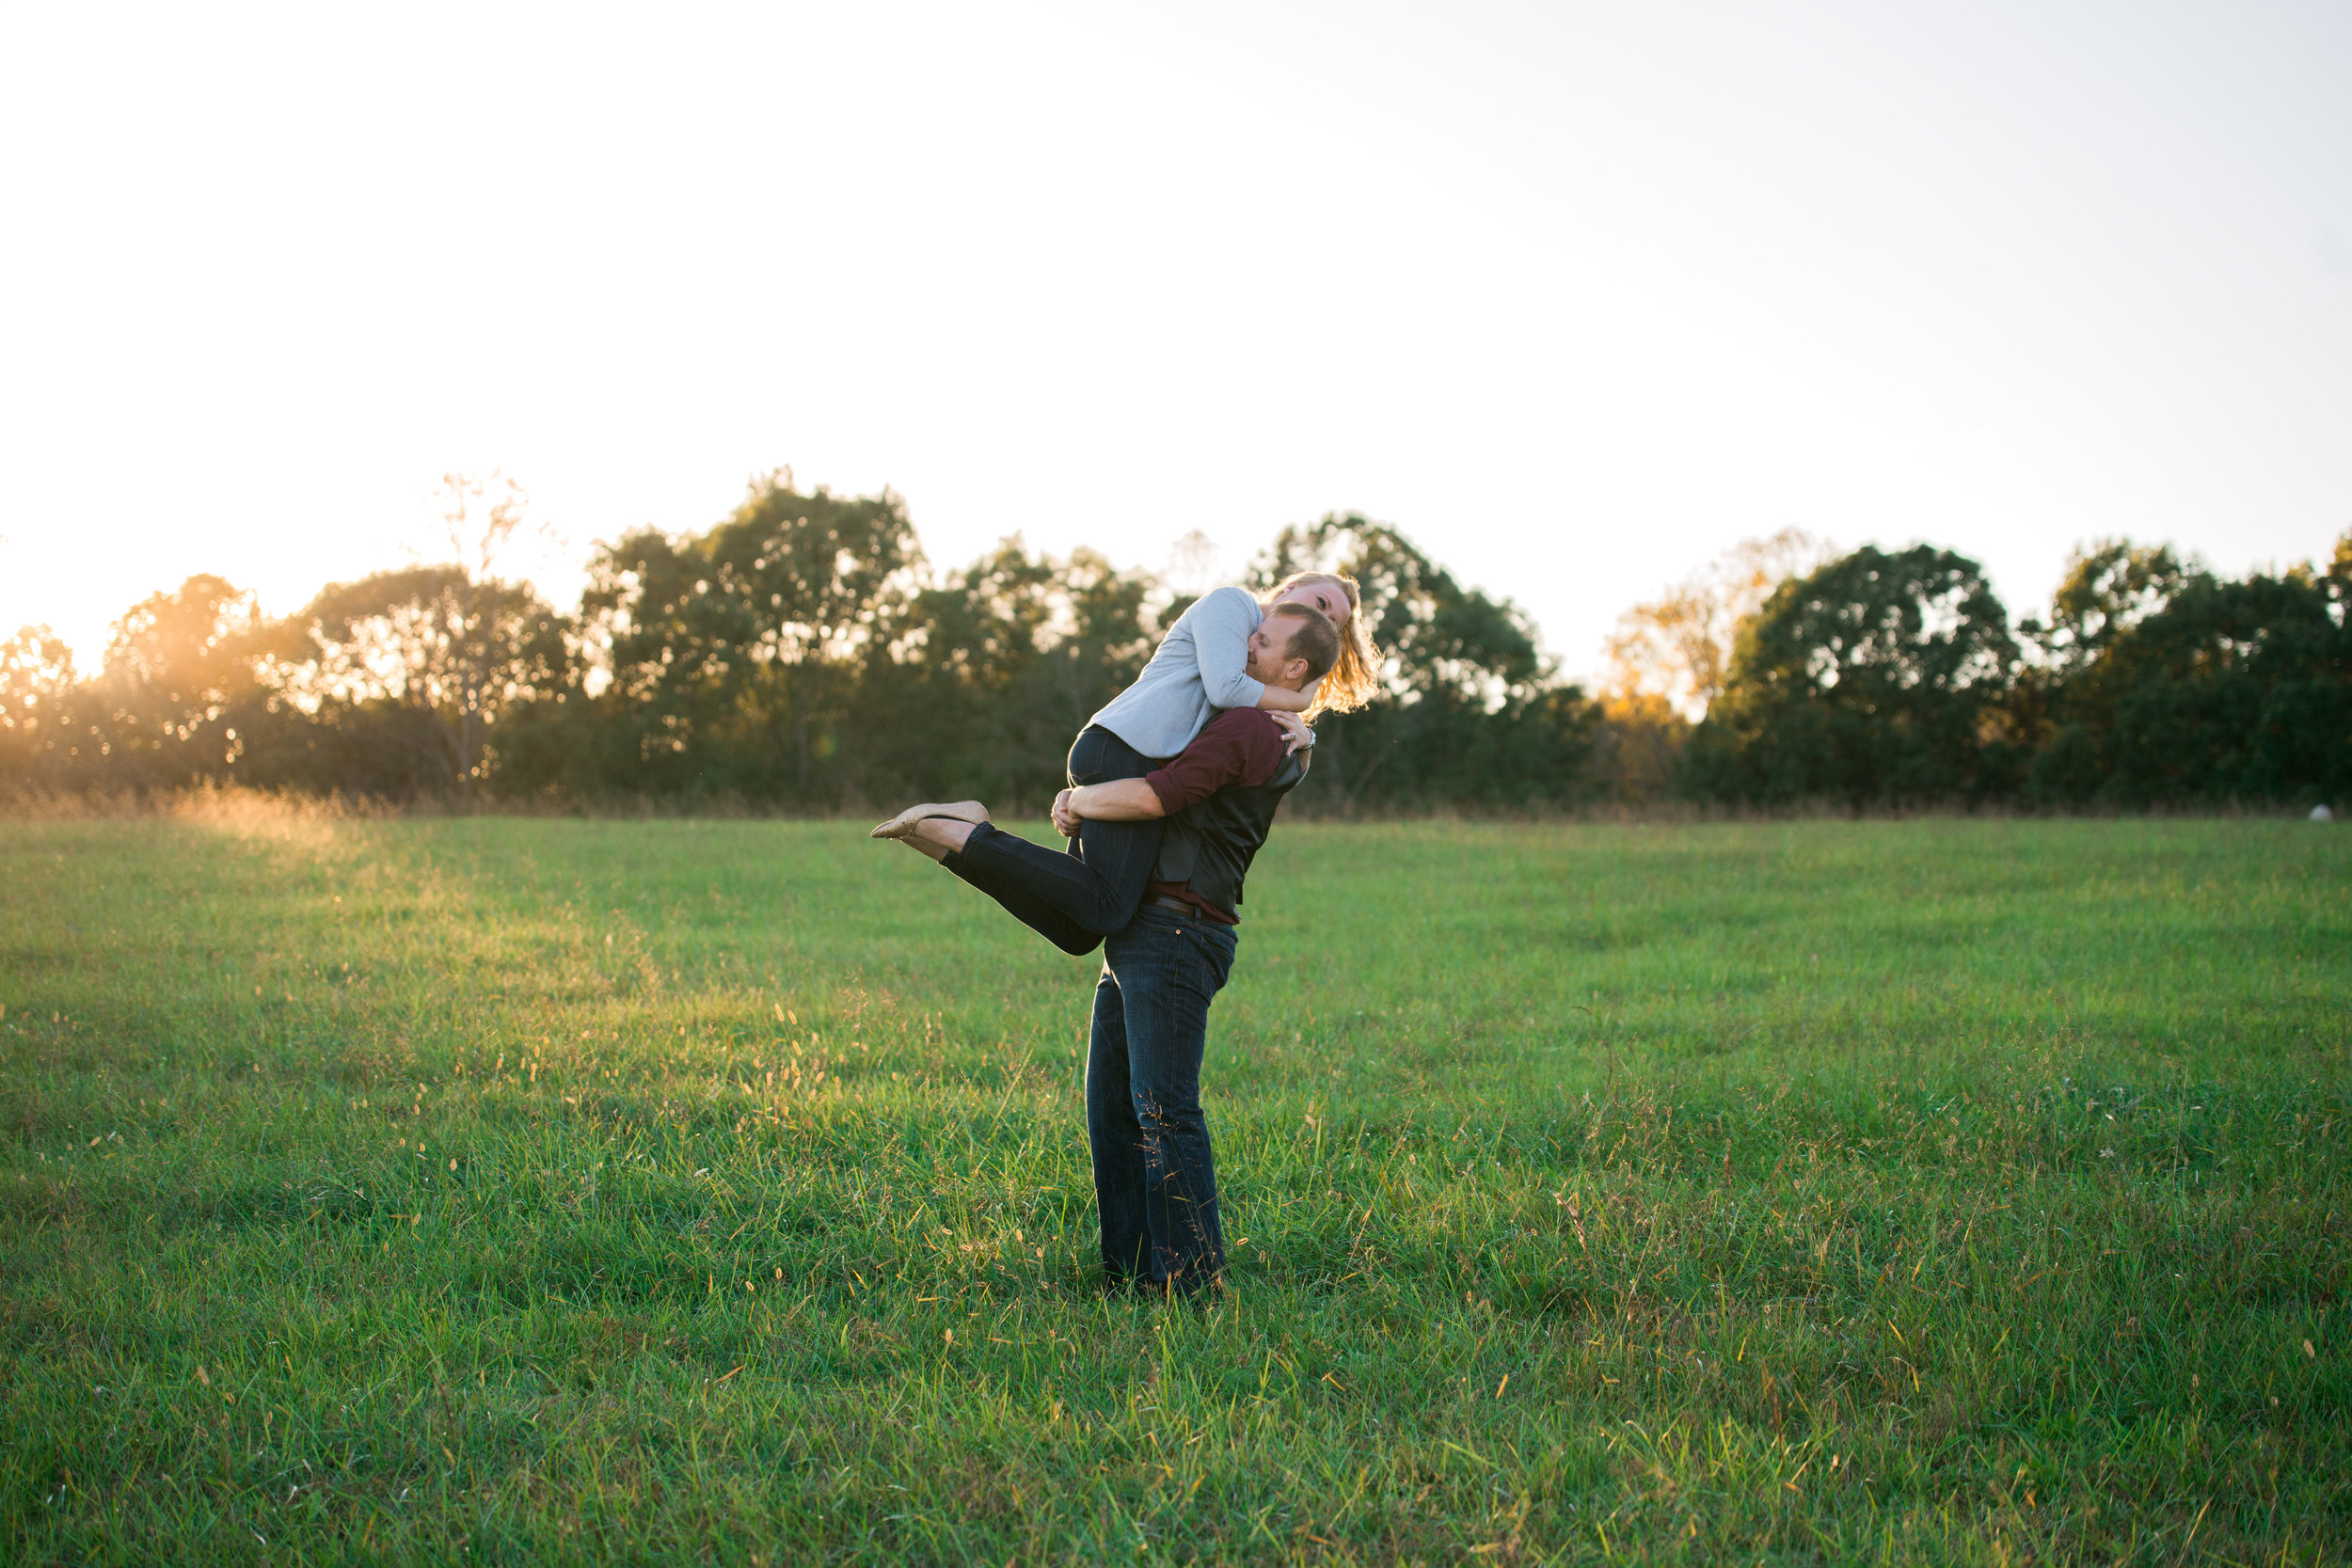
(1314, 639)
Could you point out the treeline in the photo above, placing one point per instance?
(802, 655)
(1897, 677)
(798, 655)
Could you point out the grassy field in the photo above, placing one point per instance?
(523, 1190)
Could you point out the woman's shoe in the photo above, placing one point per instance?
(903, 824)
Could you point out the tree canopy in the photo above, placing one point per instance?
(803, 654)
(1889, 679)
(1870, 679)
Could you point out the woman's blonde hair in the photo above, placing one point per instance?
(1354, 679)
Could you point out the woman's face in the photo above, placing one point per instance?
(1325, 597)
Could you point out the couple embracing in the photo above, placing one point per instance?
(1173, 787)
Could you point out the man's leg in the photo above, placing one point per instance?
(1169, 968)
(1114, 1138)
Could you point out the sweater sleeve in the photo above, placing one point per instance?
(1222, 624)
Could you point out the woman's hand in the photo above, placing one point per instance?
(1295, 729)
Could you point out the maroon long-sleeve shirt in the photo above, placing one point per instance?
(1242, 746)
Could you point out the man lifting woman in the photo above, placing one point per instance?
(1173, 787)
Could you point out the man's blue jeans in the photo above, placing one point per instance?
(1154, 1178)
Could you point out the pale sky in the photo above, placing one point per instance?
(1575, 294)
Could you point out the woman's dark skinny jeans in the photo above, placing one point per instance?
(1073, 899)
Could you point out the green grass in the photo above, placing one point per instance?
(527, 1190)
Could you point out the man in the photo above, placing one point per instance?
(1155, 1174)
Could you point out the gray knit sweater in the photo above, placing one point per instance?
(1200, 668)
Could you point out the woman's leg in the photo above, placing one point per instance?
(1119, 854)
(1072, 899)
(944, 843)
(1087, 902)
(1097, 886)
(1036, 913)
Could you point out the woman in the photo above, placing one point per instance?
(1200, 668)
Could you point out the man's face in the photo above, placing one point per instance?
(1267, 660)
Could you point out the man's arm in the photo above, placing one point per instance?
(1240, 746)
(1119, 800)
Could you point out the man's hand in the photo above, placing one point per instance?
(1065, 820)
(1295, 729)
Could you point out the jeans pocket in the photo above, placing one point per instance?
(1212, 958)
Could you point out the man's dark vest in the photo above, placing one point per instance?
(1210, 842)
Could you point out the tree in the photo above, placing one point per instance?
(36, 692)
(734, 654)
(2230, 692)
(483, 517)
(1192, 566)
(1678, 646)
(1877, 678)
(404, 674)
(2109, 587)
(180, 666)
(1637, 746)
(1475, 712)
(998, 667)
(1668, 659)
